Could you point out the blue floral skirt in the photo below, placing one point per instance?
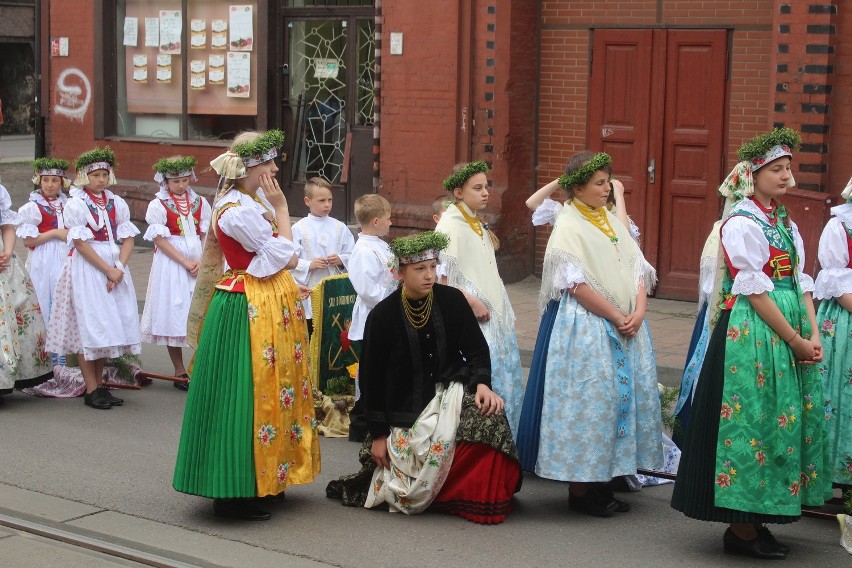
(599, 411)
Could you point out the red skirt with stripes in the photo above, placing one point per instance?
(479, 485)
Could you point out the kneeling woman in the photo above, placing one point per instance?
(438, 432)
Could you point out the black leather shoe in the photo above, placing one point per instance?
(240, 509)
(756, 548)
(769, 538)
(96, 400)
(606, 491)
(592, 503)
(182, 386)
(113, 400)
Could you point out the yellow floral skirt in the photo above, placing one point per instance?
(249, 428)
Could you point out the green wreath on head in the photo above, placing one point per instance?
(104, 154)
(429, 240)
(47, 163)
(760, 145)
(175, 165)
(260, 145)
(584, 173)
(465, 173)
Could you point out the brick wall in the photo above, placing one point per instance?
(840, 133)
(456, 94)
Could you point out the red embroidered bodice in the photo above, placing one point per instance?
(101, 234)
(173, 222)
(49, 218)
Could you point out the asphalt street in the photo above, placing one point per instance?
(112, 470)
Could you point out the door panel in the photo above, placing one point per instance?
(658, 97)
(328, 103)
(692, 150)
(618, 106)
(810, 211)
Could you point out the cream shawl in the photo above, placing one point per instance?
(614, 272)
(469, 260)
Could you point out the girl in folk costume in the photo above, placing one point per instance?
(591, 410)
(178, 220)
(469, 263)
(249, 428)
(759, 453)
(43, 229)
(438, 438)
(94, 312)
(834, 288)
(23, 360)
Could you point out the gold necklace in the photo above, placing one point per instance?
(473, 221)
(598, 218)
(417, 316)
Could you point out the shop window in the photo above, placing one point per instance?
(311, 3)
(187, 69)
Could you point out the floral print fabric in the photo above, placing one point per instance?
(770, 453)
(22, 331)
(420, 456)
(286, 442)
(835, 325)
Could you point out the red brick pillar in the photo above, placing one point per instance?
(805, 35)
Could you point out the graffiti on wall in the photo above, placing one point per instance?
(73, 94)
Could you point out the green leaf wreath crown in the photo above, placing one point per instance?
(47, 163)
(104, 154)
(429, 240)
(585, 172)
(468, 171)
(759, 145)
(173, 165)
(260, 145)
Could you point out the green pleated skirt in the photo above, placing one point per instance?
(215, 457)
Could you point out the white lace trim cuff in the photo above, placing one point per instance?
(273, 256)
(126, 230)
(833, 283)
(750, 282)
(569, 276)
(10, 217)
(82, 233)
(154, 231)
(545, 214)
(26, 230)
(806, 282)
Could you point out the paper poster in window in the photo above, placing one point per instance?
(164, 68)
(242, 34)
(216, 69)
(326, 68)
(152, 32)
(198, 34)
(170, 28)
(140, 68)
(131, 31)
(198, 77)
(239, 71)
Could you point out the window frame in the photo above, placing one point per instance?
(105, 68)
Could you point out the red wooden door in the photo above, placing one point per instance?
(691, 167)
(619, 98)
(657, 105)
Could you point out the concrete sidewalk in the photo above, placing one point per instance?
(670, 321)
